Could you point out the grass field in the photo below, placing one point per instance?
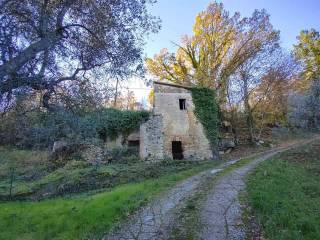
(284, 193)
(107, 194)
(83, 216)
(28, 176)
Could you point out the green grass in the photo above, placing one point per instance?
(25, 165)
(23, 161)
(90, 214)
(34, 179)
(284, 193)
(84, 216)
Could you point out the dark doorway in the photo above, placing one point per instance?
(177, 152)
(134, 145)
(182, 104)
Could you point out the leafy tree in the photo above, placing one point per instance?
(220, 44)
(44, 43)
(308, 52)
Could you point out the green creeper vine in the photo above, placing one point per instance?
(206, 110)
(112, 122)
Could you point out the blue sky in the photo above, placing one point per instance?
(288, 16)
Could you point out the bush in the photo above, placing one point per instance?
(40, 129)
(111, 122)
(123, 155)
(61, 156)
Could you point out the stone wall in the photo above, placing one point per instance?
(112, 143)
(151, 139)
(121, 141)
(176, 125)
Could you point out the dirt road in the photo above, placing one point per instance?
(216, 216)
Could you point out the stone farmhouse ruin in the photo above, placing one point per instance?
(172, 131)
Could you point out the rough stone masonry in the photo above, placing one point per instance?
(173, 130)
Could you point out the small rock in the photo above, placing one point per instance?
(226, 143)
(214, 171)
(59, 144)
(226, 123)
(229, 150)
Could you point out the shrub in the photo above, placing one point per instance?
(111, 122)
(123, 155)
(39, 129)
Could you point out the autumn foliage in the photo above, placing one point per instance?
(241, 59)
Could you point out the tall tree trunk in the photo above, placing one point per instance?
(249, 117)
(233, 118)
(116, 94)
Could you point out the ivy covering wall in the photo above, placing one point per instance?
(111, 122)
(206, 110)
(40, 129)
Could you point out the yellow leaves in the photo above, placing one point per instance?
(208, 20)
(200, 57)
(196, 29)
(159, 65)
(308, 51)
(220, 44)
(151, 97)
(152, 66)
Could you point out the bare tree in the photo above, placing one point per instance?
(304, 109)
(259, 85)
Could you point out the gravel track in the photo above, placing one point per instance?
(219, 214)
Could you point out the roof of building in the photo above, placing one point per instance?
(172, 85)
